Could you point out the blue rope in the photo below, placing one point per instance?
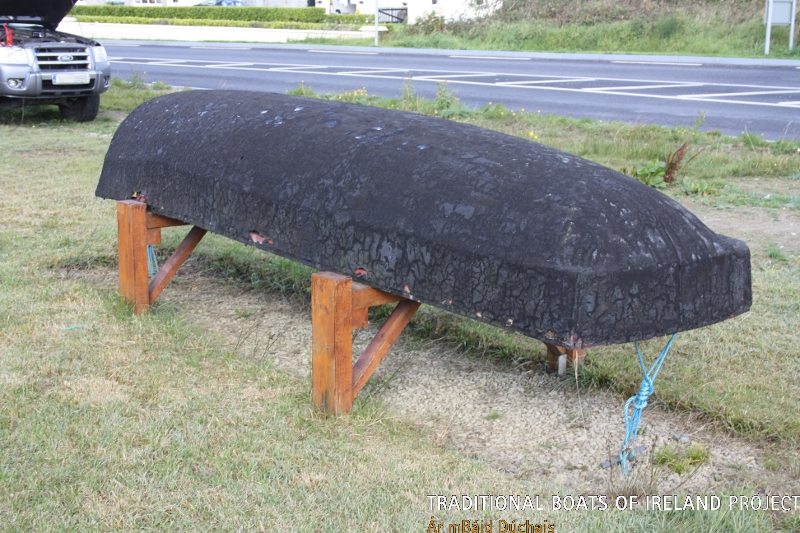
(152, 262)
(639, 401)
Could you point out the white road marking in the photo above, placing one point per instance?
(442, 73)
(369, 72)
(461, 77)
(449, 76)
(231, 65)
(167, 62)
(290, 68)
(752, 93)
(790, 104)
(494, 57)
(219, 48)
(637, 87)
(554, 80)
(656, 63)
(342, 52)
(125, 45)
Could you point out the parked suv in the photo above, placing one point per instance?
(39, 65)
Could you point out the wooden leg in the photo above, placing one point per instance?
(338, 306)
(132, 250)
(553, 353)
(332, 342)
(576, 357)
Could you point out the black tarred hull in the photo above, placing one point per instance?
(478, 223)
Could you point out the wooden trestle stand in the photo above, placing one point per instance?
(338, 306)
(136, 228)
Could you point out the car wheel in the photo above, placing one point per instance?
(81, 109)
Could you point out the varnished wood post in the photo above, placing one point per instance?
(576, 357)
(332, 342)
(553, 353)
(132, 250)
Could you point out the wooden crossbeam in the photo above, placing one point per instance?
(337, 305)
(136, 228)
(365, 297)
(157, 221)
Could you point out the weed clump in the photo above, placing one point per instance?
(680, 459)
(667, 27)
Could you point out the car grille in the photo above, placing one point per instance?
(48, 89)
(63, 58)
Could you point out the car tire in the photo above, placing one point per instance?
(81, 109)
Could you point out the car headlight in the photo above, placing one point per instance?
(13, 55)
(100, 55)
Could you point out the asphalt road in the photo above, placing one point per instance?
(731, 98)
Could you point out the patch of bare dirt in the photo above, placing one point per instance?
(754, 225)
(532, 425)
(95, 391)
(117, 116)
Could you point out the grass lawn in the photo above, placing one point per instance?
(110, 421)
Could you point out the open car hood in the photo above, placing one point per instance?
(46, 12)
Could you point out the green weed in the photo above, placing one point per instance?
(680, 459)
(775, 253)
(667, 27)
(302, 90)
(652, 174)
(699, 187)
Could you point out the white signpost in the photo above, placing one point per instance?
(780, 13)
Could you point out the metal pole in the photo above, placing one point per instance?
(769, 27)
(791, 26)
(376, 22)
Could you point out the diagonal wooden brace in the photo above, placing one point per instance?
(338, 306)
(136, 228)
(175, 261)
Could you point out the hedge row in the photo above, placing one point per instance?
(248, 14)
(350, 19)
(276, 25)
